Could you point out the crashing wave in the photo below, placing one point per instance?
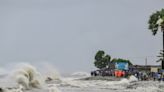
(27, 76)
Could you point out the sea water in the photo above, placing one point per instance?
(73, 83)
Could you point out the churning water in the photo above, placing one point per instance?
(28, 79)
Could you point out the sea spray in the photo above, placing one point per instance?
(124, 81)
(53, 88)
(3, 72)
(129, 80)
(80, 74)
(132, 79)
(77, 82)
(74, 80)
(28, 76)
(49, 71)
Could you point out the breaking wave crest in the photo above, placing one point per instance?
(27, 77)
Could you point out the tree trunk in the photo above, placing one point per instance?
(162, 63)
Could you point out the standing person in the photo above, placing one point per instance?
(141, 76)
(162, 77)
(123, 73)
(159, 77)
(154, 76)
(92, 73)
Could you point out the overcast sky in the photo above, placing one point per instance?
(68, 33)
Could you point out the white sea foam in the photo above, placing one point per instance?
(74, 84)
(53, 88)
(27, 75)
(50, 72)
(81, 74)
(132, 79)
(124, 81)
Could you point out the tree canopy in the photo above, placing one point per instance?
(121, 60)
(103, 60)
(156, 21)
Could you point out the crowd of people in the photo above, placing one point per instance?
(141, 75)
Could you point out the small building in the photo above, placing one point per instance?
(146, 68)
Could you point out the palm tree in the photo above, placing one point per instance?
(156, 23)
(160, 56)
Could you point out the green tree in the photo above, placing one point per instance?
(121, 60)
(160, 56)
(156, 23)
(101, 60)
(99, 55)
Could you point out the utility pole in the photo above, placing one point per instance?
(146, 61)
(146, 64)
